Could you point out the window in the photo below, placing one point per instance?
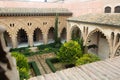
(12, 25)
(117, 9)
(107, 9)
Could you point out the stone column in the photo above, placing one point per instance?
(14, 41)
(68, 34)
(30, 40)
(45, 38)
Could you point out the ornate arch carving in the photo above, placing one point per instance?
(23, 29)
(37, 28)
(92, 32)
(117, 51)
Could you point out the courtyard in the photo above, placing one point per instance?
(59, 40)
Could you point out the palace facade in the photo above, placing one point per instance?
(98, 24)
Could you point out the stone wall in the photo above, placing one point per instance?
(36, 22)
(8, 69)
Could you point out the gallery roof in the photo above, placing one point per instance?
(103, 19)
(33, 11)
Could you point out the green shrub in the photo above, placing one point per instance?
(42, 47)
(23, 73)
(22, 65)
(35, 68)
(87, 58)
(19, 49)
(69, 52)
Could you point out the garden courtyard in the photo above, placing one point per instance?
(45, 59)
(40, 61)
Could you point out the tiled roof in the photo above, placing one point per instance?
(105, 19)
(108, 69)
(35, 11)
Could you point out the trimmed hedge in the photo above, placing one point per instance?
(35, 68)
(50, 62)
(19, 49)
(42, 49)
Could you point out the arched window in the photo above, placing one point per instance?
(107, 9)
(117, 9)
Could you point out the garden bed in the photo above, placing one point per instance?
(34, 71)
(56, 65)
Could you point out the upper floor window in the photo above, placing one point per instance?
(107, 9)
(117, 9)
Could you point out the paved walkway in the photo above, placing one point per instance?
(40, 60)
(103, 70)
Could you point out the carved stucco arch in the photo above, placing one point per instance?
(24, 30)
(62, 29)
(116, 47)
(22, 25)
(96, 30)
(48, 28)
(74, 26)
(115, 50)
(29, 29)
(38, 28)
